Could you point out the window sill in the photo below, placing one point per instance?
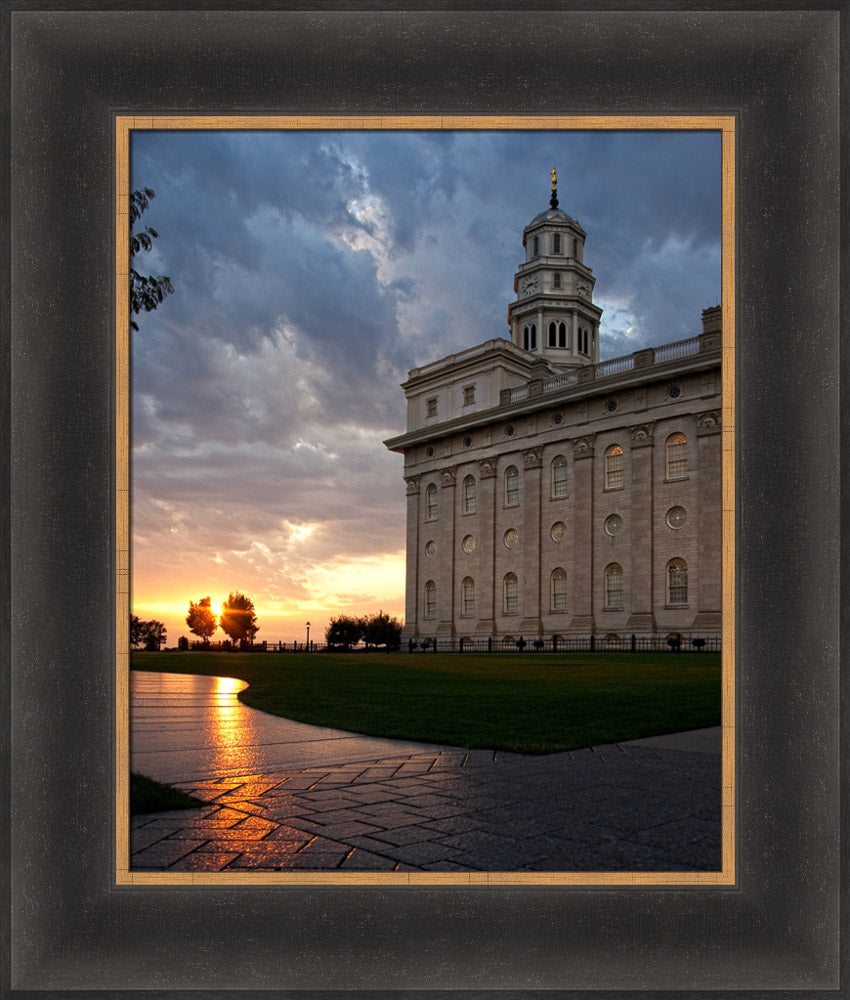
(615, 607)
(612, 489)
(676, 607)
(678, 479)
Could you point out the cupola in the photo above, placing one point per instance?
(553, 315)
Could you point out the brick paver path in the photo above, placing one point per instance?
(642, 806)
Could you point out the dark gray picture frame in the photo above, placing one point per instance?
(67, 929)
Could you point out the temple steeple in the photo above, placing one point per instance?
(554, 315)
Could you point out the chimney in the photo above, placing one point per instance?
(711, 320)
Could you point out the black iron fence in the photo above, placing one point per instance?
(676, 642)
(679, 643)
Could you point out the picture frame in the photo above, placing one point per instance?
(70, 927)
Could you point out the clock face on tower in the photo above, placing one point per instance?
(528, 286)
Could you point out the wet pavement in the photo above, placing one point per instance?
(285, 796)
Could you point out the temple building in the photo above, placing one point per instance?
(551, 494)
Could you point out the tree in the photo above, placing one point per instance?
(146, 292)
(137, 630)
(201, 619)
(344, 631)
(154, 635)
(381, 630)
(237, 617)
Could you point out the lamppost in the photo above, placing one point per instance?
(308, 637)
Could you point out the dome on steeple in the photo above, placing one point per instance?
(551, 215)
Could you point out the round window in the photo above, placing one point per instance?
(468, 544)
(612, 405)
(558, 418)
(676, 517)
(511, 538)
(430, 549)
(429, 451)
(510, 431)
(467, 441)
(674, 392)
(613, 524)
(559, 531)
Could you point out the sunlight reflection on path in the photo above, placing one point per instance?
(184, 727)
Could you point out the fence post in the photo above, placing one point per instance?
(634, 642)
(593, 643)
(489, 643)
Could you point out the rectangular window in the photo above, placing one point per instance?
(431, 407)
(469, 503)
(614, 594)
(511, 597)
(614, 471)
(468, 395)
(559, 591)
(511, 487)
(556, 281)
(556, 243)
(536, 246)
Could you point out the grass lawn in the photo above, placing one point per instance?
(149, 796)
(529, 703)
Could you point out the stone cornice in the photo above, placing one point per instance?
(574, 393)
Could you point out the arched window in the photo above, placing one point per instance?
(677, 581)
(469, 501)
(562, 335)
(431, 502)
(511, 594)
(575, 249)
(533, 337)
(556, 243)
(536, 246)
(614, 467)
(559, 589)
(525, 340)
(553, 332)
(677, 456)
(430, 599)
(559, 477)
(556, 280)
(511, 486)
(467, 597)
(613, 585)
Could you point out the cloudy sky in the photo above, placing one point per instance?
(312, 270)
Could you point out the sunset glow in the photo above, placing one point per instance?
(311, 272)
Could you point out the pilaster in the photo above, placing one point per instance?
(583, 614)
(709, 459)
(641, 488)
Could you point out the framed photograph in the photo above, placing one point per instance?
(83, 84)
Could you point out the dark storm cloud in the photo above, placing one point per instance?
(312, 270)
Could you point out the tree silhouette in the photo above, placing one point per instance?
(344, 631)
(381, 630)
(201, 619)
(146, 292)
(237, 617)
